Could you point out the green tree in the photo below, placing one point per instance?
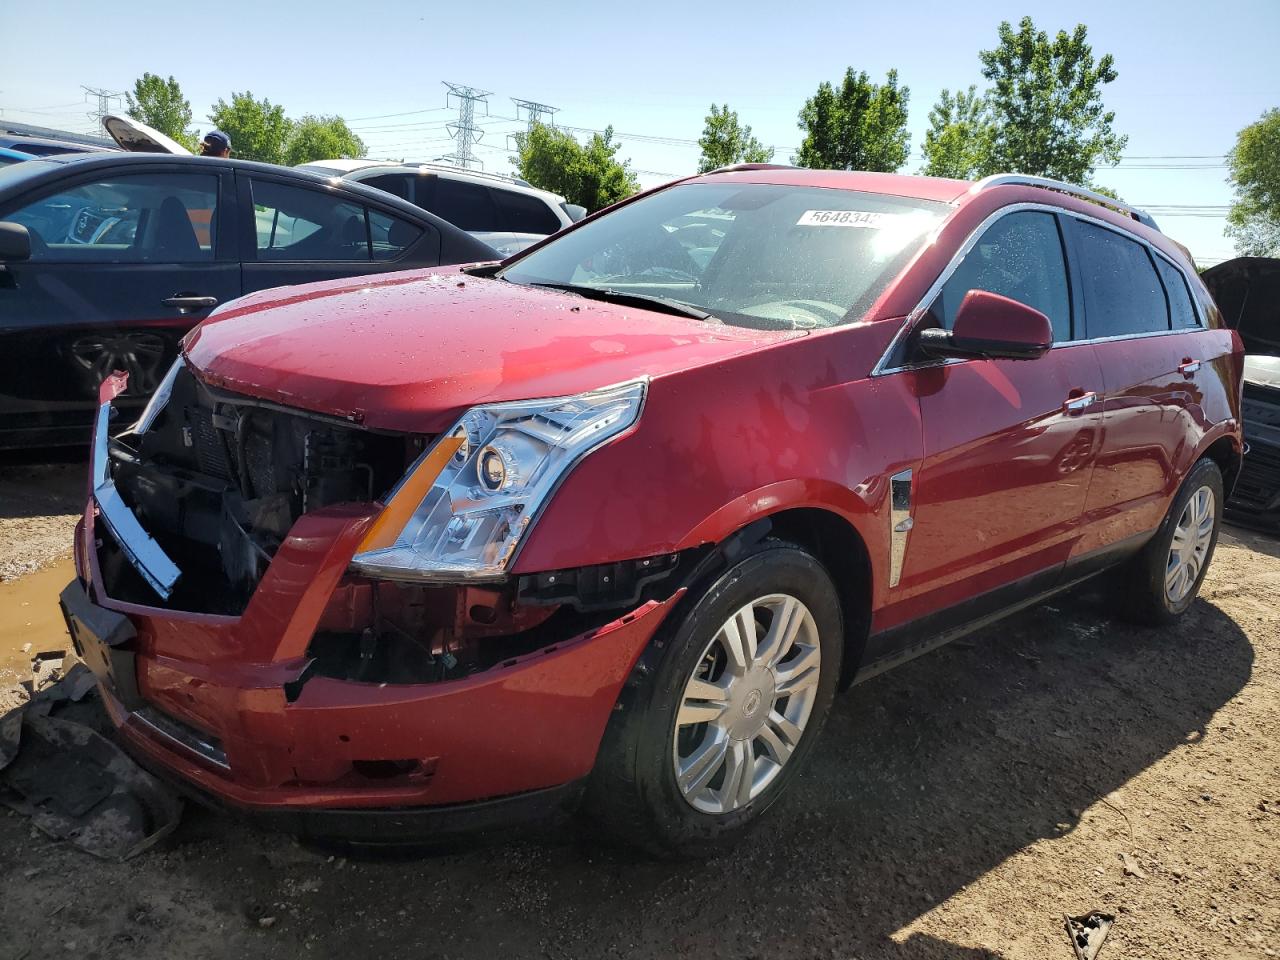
(589, 175)
(724, 141)
(861, 126)
(258, 129)
(1254, 162)
(1045, 103)
(159, 103)
(320, 138)
(959, 136)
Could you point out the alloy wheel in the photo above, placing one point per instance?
(142, 355)
(745, 707)
(1190, 546)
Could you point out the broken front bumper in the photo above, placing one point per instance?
(222, 703)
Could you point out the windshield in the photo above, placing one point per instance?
(766, 256)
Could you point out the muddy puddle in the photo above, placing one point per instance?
(29, 614)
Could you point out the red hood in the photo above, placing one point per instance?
(411, 351)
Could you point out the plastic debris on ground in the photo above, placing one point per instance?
(1087, 932)
(74, 783)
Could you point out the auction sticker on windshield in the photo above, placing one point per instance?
(844, 218)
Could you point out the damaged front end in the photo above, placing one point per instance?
(296, 624)
(218, 480)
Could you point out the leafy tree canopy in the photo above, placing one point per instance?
(724, 141)
(320, 138)
(959, 136)
(159, 103)
(589, 175)
(1045, 104)
(258, 129)
(1254, 162)
(861, 126)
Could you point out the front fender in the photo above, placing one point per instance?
(859, 508)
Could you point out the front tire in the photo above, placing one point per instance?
(726, 707)
(1164, 579)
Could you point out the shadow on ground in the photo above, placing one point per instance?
(925, 779)
(1258, 540)
(41, 487)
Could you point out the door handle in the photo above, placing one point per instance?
(1188, 366)
(1079, 403)
(186, 302)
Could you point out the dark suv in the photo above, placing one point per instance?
(622, 514)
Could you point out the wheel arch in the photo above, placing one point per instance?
(833, 540)
(1227, 454)
(838, 546)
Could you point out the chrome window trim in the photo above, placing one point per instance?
(882, 367)
(147, 556)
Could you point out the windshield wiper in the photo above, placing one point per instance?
(669, 304)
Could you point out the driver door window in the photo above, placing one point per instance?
(141, 218)
(1019, 257)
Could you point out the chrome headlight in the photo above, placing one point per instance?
(470, 499)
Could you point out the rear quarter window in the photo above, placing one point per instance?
(1182, 313)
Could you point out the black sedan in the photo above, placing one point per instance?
(107, 259)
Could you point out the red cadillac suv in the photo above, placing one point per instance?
(613, 521)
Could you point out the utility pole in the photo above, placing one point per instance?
(465, 132)
(104, 104)
(536, 112)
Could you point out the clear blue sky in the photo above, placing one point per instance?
(1191, 73)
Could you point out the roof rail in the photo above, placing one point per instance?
(735, 167)
(1027, 180)
(454, 168)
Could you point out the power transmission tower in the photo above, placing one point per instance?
(104, 103)
(465, 132)
(536, 112)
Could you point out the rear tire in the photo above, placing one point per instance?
(1162, 581)
(725, 707)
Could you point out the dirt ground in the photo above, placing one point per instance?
(38, 509)
(956, 808)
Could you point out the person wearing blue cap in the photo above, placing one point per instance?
(215, 144)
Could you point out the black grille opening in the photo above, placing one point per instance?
(220, 478)
(1259, 481)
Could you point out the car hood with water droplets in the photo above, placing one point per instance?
(412, 351)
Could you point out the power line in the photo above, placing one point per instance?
(407, 113)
